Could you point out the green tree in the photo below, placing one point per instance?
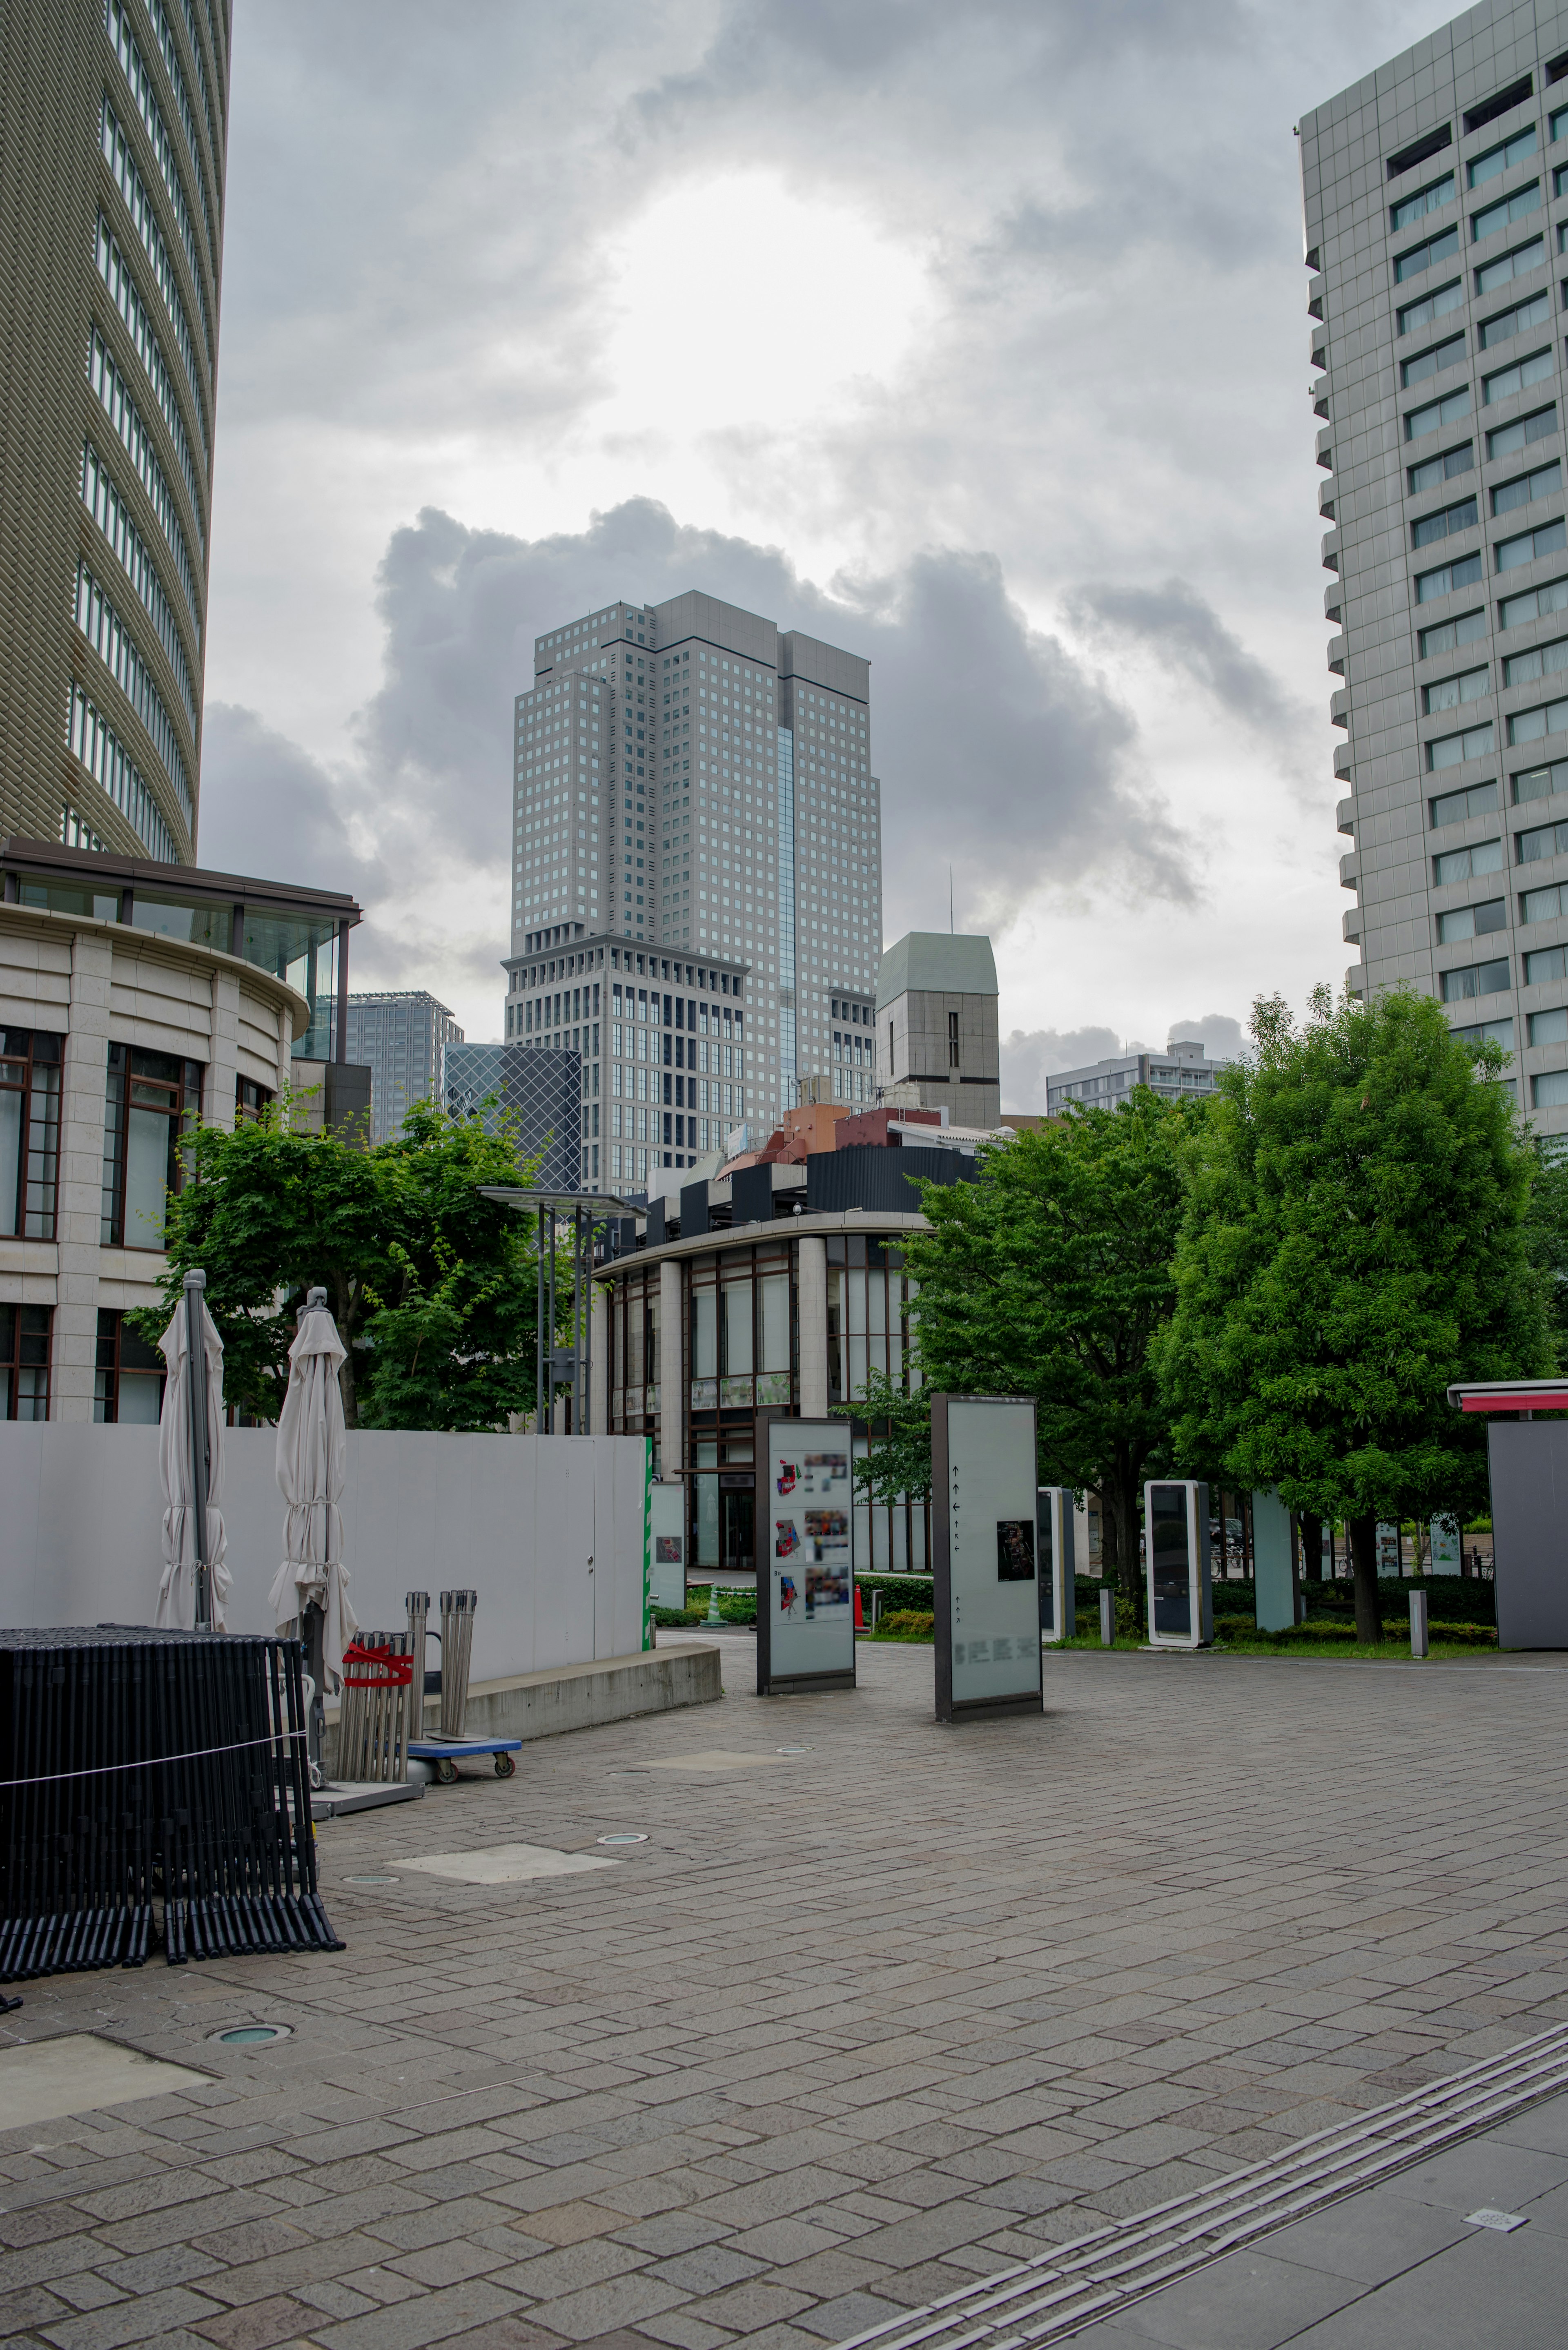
(432, 1285)
(1546, 1234)
(1354, 1242)
(1050, 1277)
(897, 1463)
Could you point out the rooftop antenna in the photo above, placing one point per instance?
(949, 900)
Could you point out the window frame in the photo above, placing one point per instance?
(183, 1109)
(19, 1051)
(16, 1337)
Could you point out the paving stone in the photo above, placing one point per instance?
(260, 2326)
(873, 2062)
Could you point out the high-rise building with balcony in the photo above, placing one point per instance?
(1436, 194)
(113, 132)
(690, 779)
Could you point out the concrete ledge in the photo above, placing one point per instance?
(578, 1697)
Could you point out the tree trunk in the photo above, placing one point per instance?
(1311, 1547)
(1131, 1575)
(1363, 1564)
(346, 1375)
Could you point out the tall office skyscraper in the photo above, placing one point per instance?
(1436, 195)
(113, 131)
(690, 778)
(401, 1037)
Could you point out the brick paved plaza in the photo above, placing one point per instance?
(853, 2026)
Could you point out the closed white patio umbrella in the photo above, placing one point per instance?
(196, 1584)
(311, 1583)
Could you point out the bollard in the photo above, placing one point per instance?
(1107, 1620)
(1418, 1641)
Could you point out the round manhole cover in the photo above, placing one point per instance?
(251, 2035)
(634, 1835)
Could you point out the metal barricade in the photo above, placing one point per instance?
(456, 1652)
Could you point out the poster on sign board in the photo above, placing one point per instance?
(806, 1578)
(667, 1533)
(985, 1555)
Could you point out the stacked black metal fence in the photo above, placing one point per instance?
(152, 1779)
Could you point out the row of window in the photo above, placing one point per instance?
(149, 1098)
(143, 90)
(109, 512)
(1543, 967)
(120, 282)
(128, 1374)
(127, 420)
(112, 642)
(91, 739)
(1502, 383)
(1522, 490)
(1481, 799)
(675, 1091)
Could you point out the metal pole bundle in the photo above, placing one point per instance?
(456, 1652)
(139, 1768)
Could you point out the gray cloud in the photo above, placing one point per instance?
(1181, 630)
(270, 809)
(1023, 779)
(1220, 1036)
(1031, 1055)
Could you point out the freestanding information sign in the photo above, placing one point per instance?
(806, 1578)
(1054, 1549)
(983, 1541)
(1176, 1555)
(666, 1527)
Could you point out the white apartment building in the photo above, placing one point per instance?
(1436, 201)
(1183, 1067)
(688, 779)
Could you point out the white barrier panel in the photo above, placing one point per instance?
(549, 1530)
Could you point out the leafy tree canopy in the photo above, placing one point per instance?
(1049, 1277)
(432, 1285)
(1354, 1240)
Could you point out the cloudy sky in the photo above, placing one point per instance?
(973, 338)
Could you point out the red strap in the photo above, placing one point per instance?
(393, 1672)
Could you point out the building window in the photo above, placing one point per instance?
(1448, 636)
(29, 1133)
(1453, 750)
(1504, 212)
(1435, 471)
(251, 1100)
(1421, 257)
(1472, 921)
(149, 1097)
(127, 1384)
(952, 1040)
(1468, 863)
(24, 1361)
(1509, 438)
(1449, 575)
(1448, 693)
(1546, 840)
(1435, 361)
(1482, 979)
(1435, 305)
(1506, 381)
(1419, 422)
(1508, 265)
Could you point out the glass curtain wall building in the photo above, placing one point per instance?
(111, 196)
(1435, 197)
(688, 777)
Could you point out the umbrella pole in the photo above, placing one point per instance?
(196, 1383)
(314, 1627)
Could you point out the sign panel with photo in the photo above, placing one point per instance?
(806, 1596)
(986, 1555)
(667, 1529)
